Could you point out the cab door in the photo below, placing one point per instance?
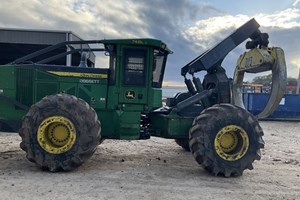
(134, 75)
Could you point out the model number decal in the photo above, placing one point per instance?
(79, 74)
(91, 81)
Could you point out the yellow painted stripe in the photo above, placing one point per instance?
(79, 74)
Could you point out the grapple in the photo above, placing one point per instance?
(258, 59)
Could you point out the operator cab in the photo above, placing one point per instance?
(136, 73)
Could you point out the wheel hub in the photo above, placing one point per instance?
(228, 141)
(231, 143)
(56, 134)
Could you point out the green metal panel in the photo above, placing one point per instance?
(108, 119)
(43, 75)
(133, 95)
(94, 94)
(129, 125)
(8, 84)
(10, 112)
(84, 92)
(155, 98)
(68, 88)
(171, 125)
(112, 101)
(25, 87)
(118, 124)
(43, 89)
(7, 80)
(133, 107)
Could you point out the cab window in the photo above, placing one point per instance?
(135, 66)
(159, 62)
(111, 52)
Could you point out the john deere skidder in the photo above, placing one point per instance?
(57, 110)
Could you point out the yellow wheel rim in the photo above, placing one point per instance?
(231, 143)
(56, 134)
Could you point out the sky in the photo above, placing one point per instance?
(188, 27)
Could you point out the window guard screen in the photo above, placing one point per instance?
(134, 72)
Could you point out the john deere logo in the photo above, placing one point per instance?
(129, 94)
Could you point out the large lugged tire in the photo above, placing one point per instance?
(60, 132)
(184, 143)
(226, 139)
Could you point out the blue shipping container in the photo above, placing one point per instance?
(289, 107)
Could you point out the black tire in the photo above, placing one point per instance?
(205, 134)
(86, 125)
(184, 143)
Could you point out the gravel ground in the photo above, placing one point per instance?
(155, 169)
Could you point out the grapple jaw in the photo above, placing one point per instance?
(260, 60)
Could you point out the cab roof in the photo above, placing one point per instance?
(139, 41)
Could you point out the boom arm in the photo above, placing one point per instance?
(212, 58)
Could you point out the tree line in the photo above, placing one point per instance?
(266, 80)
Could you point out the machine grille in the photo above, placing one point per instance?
(25, 86)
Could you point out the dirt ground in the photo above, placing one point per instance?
(155, 169)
